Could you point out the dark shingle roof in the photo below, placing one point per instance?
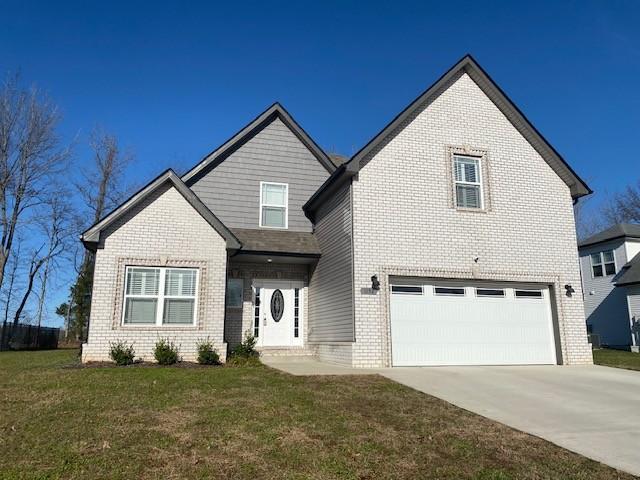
(621, 230)
(277, 241)
(631, 272)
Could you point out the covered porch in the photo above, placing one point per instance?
(267, 290)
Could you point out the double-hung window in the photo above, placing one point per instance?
(274, 204)
(603, 263)
(468, 181)
(160, 296)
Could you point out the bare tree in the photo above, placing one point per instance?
(11, 283)
(56, 229)
(589, 219)
(30, 154)
(101, 189)
(624, 207)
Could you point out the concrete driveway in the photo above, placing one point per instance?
(591, 410)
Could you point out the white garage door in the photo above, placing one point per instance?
(464, 323)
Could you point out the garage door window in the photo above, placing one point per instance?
(489, 292)
(406, 289)
(528, 294)
(455, 291)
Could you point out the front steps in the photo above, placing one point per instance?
(286, 351)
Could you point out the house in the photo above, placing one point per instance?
(610, 267)
(447, 239)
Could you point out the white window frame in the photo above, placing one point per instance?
(286, 205)
(160, 298)
(475, 184)
(603, 263)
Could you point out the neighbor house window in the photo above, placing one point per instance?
(603, 263)
(468, 181)
(235, 287)
(274, 205)
(160, 296)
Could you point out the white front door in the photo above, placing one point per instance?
(278, 313)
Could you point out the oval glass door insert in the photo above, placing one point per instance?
(277, 305)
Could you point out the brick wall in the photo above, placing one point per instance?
(163, 231)
(405, 222)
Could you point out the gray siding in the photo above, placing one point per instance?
(605, 304)
(232, 189)
(331, 283)
(634, 301)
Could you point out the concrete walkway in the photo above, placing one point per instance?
(307, 365)
(591, 410)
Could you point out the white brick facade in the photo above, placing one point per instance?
(405, 223)
(164, 230)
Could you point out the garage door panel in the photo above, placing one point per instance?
(429, 329)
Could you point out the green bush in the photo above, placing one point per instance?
(166, 352)
(237, 361)
(247, 349)
(121, 352)
(207, 355)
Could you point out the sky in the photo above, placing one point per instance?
(173, 80)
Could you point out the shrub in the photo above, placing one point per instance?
(207, 355)
(237, 361)
(166, 352)
(244, 354)
(121, 352)
(247, 349)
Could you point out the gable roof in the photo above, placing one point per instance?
(468, 65)
(631, 275)
(91, 236)
(245, 134)
(620, 230)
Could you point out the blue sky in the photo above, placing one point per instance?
(175, 79)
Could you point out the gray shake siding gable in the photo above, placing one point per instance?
(232, 189)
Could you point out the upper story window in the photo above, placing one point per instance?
(274, 205)
(160, 296)
(603, 263)
(468, 181)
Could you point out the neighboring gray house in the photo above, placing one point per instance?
(448, 239)
(610, 266)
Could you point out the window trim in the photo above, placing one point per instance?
(480, 183)
(603, 264)
(159, 323)
(286, 205)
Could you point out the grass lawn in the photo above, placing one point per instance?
(617, 358)
(58, 421)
